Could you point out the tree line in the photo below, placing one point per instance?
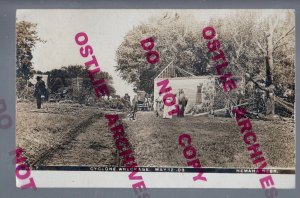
(261, 49)
(27, 38)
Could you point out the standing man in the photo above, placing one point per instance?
(40, 91)
(134, 107)
(127, 99)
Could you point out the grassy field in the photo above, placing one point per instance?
(68, 134)
(51, 130)
(218, 141)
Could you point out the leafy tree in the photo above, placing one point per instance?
(59, 78)
(26, 40)
(109, 81)
(177, 38)
(276, 42)
(56, 84)
(73, 71)
(260, 48)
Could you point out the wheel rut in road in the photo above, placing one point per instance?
(66, 139)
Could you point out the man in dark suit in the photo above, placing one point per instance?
(40, 91)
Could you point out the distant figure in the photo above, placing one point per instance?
(182, 101)
(158, 106)
(134, 107)
(289, 94)
(258, 96)
(239, 96)
(127, 97)
(167, 109)
(40, 91)
(150, 104)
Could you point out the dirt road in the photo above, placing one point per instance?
(64, 134)
(68, 134)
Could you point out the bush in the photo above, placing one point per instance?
(114, 103)
(24, 93)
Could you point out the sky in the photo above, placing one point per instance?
(105, 29)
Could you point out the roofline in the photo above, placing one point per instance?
(195, 77)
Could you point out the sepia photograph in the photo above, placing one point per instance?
(164, 90)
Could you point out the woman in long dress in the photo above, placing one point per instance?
(167, 109)
(158, 106)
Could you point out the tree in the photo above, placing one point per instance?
(177, 38)
(26, 40)
(262, 48)
(57, 78)
(73, 71)
(277, 46)
(109, 81)
(56, 84)
(256, 44)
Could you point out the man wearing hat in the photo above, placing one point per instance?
(39, 91)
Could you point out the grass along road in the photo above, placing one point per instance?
(68, 134)
(218, 141)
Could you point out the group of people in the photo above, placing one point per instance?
(141, 101)
(162, 110)
(41, 93)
